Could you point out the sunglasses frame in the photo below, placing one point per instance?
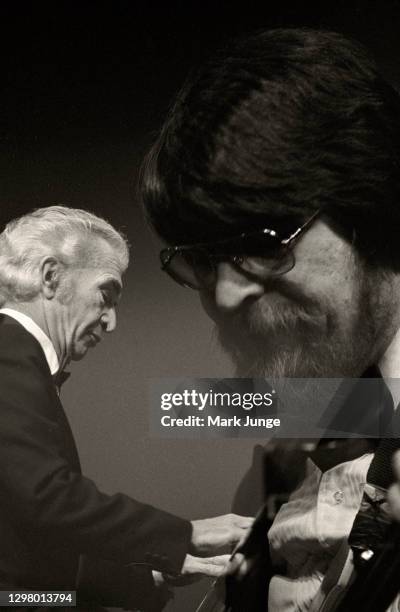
(208, 248)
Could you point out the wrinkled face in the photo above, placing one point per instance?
(86, 306)
(328, 316)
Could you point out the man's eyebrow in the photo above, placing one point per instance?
(113, 285)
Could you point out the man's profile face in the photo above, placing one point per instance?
(87, 301)
(325, 317)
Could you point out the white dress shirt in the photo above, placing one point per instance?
(309, 530)
(29, 324)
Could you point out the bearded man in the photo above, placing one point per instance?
(275, 182)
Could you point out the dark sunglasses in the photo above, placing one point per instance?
(258, 254)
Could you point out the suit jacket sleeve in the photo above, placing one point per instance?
(42, 485)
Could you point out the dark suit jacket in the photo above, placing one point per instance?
(50, 514)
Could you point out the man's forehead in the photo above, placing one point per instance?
(108, 263)
(104, 253)
(107, 275)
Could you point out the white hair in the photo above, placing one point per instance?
(68, 234)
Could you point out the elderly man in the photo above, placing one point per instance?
(61, 272)
(276, 181)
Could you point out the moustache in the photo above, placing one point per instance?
(283, 306)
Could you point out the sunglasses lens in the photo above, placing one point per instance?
(192, 268)
(263, 255)
(263, 266)
(258, 244)
(260, 254)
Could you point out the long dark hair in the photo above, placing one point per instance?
(273, 127)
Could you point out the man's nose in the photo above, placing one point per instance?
(109, 320)
(232, 287)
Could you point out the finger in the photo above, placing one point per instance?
(218, 560)
(244, 569)
(214, 566)
(207, 566)
(393, 498)
(396, 464)
(236, 538)
(243, 522)
(239, 566)
(236, 564)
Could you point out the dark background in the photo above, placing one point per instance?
(84, 88)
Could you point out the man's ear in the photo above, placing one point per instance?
(50, 269)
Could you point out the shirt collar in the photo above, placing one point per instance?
(29, 324)
(389, 365)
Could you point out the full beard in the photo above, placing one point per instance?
(301, 338)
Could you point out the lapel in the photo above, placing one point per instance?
(17, 339)
(366, 411)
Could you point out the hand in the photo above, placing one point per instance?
(195, 568)
(239, 566)
(394, 491)
(210, 535)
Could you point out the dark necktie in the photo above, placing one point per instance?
(59, 379)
